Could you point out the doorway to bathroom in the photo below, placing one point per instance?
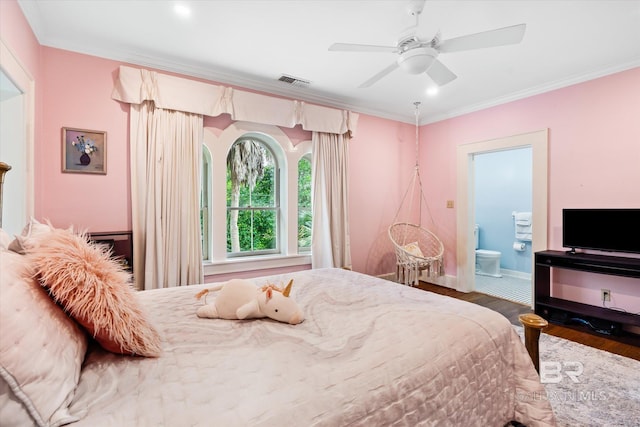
(467, 157)
(17, 112)
(502, 207)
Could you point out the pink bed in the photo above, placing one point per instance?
(369, 352)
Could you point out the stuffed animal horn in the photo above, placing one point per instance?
(287, 290)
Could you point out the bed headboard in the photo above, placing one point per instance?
(4, 168)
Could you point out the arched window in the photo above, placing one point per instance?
(253, 199)
(273, 213)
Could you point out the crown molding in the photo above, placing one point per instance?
(533, 91)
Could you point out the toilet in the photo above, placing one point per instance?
(487, 262)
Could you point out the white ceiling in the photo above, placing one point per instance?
(252, 43)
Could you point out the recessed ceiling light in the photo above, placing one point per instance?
(182, 10)
(432, 91)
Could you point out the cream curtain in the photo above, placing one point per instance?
(330, 246)
(166, 155)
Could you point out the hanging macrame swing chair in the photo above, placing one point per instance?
(417, 249)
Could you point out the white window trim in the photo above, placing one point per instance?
(250, 263)
(218, 146)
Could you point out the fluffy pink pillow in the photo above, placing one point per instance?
(95, 290)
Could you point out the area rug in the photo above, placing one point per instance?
(587, 386)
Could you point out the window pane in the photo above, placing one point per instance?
(265, 230)
(304, 228)
(247, 162)
(264, 193)
(304, 203)
(257, 230)
(243, 195)
(204, 206)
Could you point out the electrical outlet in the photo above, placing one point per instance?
(606, 295)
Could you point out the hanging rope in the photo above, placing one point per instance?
(416, 178)
(416, 171)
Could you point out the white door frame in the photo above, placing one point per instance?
(465, 216)
(21, 78)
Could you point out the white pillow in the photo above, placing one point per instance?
(41, 348)
(29, 237)
(413, 249)
(5, 239)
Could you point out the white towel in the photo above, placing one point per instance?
(523, 218)
(523, 226)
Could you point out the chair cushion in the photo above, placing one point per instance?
(413, 249)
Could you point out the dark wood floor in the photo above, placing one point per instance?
(512, 310)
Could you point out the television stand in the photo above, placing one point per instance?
(558, 310)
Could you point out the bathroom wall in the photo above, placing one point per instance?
(503, 184)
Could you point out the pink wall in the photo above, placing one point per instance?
(594, 158)
(17, 35)
(77, 93)
(381, 160)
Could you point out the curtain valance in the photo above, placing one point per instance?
(135, 86)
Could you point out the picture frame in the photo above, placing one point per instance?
(84, 151)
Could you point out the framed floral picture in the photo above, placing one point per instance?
(84, 151)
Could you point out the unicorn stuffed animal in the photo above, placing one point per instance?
(241, 299)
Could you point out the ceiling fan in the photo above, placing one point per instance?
(417, 56)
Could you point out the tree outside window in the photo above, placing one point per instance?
(252, 199)
(204, 203)
(304, 204)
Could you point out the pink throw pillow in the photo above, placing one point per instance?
(96, 291)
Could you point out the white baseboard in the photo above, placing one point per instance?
(447, 281)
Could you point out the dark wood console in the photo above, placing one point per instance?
(549, 307)
(121, 244)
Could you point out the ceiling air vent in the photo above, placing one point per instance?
(293, 81)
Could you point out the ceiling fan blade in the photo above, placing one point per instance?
(379, 75)
(491, 38)
(440, 74)
(351, 47)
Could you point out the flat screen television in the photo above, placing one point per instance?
(610, 230)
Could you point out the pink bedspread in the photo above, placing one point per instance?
(370, 353)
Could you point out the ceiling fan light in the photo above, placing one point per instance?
(418, 60)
